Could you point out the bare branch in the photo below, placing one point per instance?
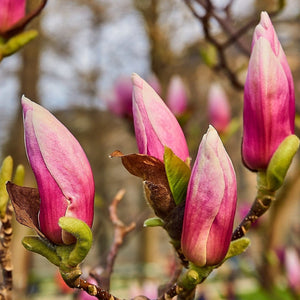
(259, 207)
(235, 36)
(120, 232)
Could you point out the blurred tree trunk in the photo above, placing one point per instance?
(161, 55)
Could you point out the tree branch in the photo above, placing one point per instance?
(120, 232)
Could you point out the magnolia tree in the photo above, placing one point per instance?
(195, 203)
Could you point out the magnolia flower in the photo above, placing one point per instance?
(292, 266)
(62, 171)
(269, 101)
(218, 108)
(155, 125)
(210, 204)
(122, 104)
(176, 96)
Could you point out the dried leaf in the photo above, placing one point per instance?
(26, 203)
(174, 222)
(153, 173)
(144, 166)
(159, 198)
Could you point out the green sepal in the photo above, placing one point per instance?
(178, 174)
(83, 234)
(17, 42)
(19, 175)
(237, 247)
(153, 222)
(196, 275)
(42, 247)
(281, 161)
(5, 175)
(191, 279)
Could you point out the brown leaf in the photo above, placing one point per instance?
(144, 166)
(26, 203)
(156, 184)
(174, 221)
(159, 198)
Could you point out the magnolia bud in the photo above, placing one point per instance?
(210, 204)
(62, 171)
(269, 101)
(155, 125)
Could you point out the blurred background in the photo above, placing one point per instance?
(79, 68)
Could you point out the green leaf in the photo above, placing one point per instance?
(281, 161)
(178, 174)
(17, 42)
(237, 247)
(19, 175)
(153, 222)
(42, 247)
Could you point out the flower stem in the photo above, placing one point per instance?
(261, 204)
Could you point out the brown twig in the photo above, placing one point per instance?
(222, 63)
(235, 36)
(120, 232)
(5, 254)
(176, 273)
(259, 207)
(103, 294)
(92, 289)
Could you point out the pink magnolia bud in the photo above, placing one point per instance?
(123, 94)
(266, 30)
(11, 11)
(113, 105)
(155, 126)
(210, 204)
(119, 101)
(62, 171)
(218, 108)
(292, 266)
(176, 96)
(269, 100)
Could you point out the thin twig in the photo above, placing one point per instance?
(259, 207)
(120, 232)
(235, 36)
(176, 273)
(222, 58)
(93, 290)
